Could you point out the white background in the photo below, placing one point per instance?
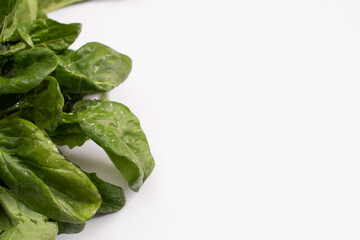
(251, 109)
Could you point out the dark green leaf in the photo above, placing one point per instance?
(6, 8)
(117, 130)
(26, 70)
(113, 197)
(71, 99)
(69, 132)
(69, 228)
(92, 68)
(44, 104)
(21, 222)
(66, 56)
(32, 167)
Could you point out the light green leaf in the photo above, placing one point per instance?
(22, 222)
(51, 5)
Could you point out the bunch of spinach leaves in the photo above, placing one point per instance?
(43, 105)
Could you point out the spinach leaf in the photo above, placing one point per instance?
(24, 36)
(117, 130)
(68, 132)
(5, 222)
(49, 33)
(51, 5)
(32, 166)
(44, 104)
(10, 49)
(19, 222)
(13, 13)
(41, 15)
(26, 10)
(26, 70)
(92, 68)
(71, 99)
(6, 8)
(65, 227)
(7, 18)
(42, 82)
(66, 56)
(113, 197)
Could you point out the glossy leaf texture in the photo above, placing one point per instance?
(93, 68)
(18, 222)
(117, 130)
(26, 70)
(113, 197)
(49, 33)
(33, 168)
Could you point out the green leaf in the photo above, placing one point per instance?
(69, 132)
(49, 33)
(25, 37)
(69, 228)
(15, 12)
(26, 70)
(117, 130)
(26, 11)
(6, 8)
(92, 68)
(10, 49)
(19, 222)
(5, 222)
(66, 56)
(71, 99)
(41, 15)
(113, 197)
(43, 104)
(32, 166)
(7, 18)
(51, 5)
